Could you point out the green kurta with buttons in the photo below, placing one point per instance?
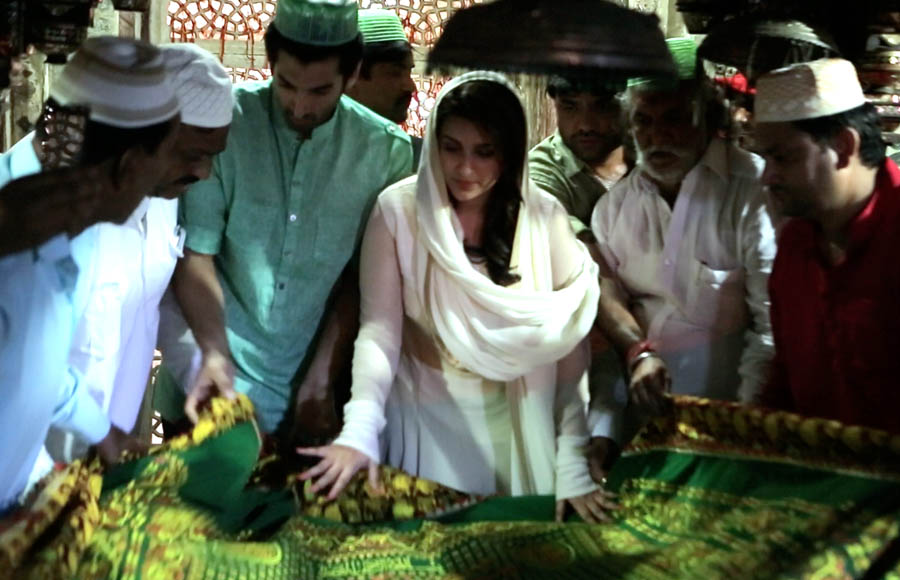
(284, 216)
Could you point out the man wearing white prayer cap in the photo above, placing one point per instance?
(835, 283)
(132, 122)
(272, 231)
(115, 340)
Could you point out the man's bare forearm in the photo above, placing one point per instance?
(335, 345)
(202, 301)
(615, 319)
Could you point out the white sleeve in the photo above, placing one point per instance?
(601, 226)
(758, 254)
(78, 412)
(96, 349)
(377, 347)
(606, 413)
(567, 253)
(572, 475)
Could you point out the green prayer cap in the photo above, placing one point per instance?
(317, 22)
(684, 54)
(381, 26)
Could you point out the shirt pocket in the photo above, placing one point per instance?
(719, 297)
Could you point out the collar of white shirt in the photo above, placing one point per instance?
(138, 218)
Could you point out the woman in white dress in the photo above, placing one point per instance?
(470, 368)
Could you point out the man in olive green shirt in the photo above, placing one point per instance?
(584, 157)
(385, 82)
(270, 234)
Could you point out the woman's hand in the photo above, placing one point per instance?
(592, 507)
(339, 463)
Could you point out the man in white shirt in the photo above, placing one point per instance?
(687, 246)
(115, 340)
(130, 125)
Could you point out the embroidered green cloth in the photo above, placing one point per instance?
(715, 490)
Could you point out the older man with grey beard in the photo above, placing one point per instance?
(687, 245)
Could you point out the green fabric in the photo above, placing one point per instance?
(714, 490)
(684, 54)
(556, 170)
(317, 22)
(284, 217)
(381, 26)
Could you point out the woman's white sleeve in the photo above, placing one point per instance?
(377, 347)
(572, 475)
(570, 413)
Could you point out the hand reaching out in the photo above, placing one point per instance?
(592, 507)
(117, 442)
(33, 209)
(216, 378)
(650, 381)
(338, 464)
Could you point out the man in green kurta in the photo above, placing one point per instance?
(270, 234)
(584, 157)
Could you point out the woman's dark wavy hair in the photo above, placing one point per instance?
(494, 108)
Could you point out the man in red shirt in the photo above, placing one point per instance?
(835, 285)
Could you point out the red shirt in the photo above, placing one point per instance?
(837, 328)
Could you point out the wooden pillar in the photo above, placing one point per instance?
(539, 109)
(155, 27)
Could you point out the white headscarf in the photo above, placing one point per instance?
(498, 332)
(515, 334)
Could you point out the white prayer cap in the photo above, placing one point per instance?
(807, 90)
(202, 85)
(122, 81)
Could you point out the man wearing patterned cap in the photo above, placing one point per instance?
(115, 339)
(687, 245)
(384, 84)
(130, 131)
(835, 283)
(273, 229)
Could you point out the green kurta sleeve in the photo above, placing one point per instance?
(203, 210)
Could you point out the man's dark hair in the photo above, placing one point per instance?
(103, 142)
(395, 51)
(558, 86)
(864, 119)
(349, 53)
